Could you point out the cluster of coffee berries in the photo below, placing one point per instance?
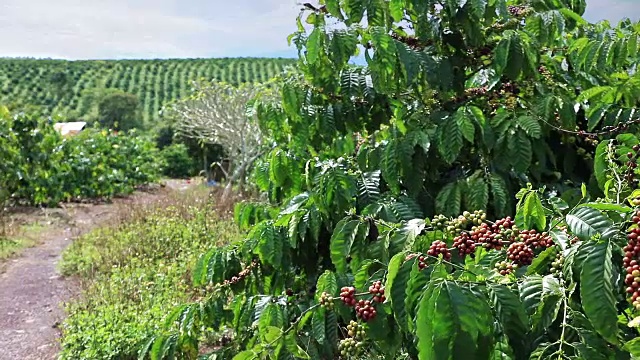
(632, 280)
(519, 11)
(477, 91)
(456, 225)
(630, 262)
(355, 330)
(557, 264)
(484, 235)
(535, 240)
(466, 220)
(365, 310)
(591, 140)
(519, 253)
(241, 275)
(509, 88)
(350, 348)
(326, 301)
(505, 268)
(377, 290)
(475, 218)
(439, 247)
(440, 222)
(422, 262)
(465, 244)
(348, 295)
(544, 72)
(506, 227)
(632, 163)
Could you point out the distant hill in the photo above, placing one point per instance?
(69, 87)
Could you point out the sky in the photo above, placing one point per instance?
(116, 29)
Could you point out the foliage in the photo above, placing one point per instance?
(205, 156)
(461, 104)
(558, 281)
(176, 161)
(136, 272)
(101, 164)
(40, 167)
(69, 87)
(119, 111)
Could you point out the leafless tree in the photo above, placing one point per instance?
(219, 113)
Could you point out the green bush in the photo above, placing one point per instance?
(137, 272)
(40, 167)
(103, 164)
(176, 161)
(120, 111)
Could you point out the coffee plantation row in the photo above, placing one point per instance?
(57, 85)
(40, 167)
(471, 194)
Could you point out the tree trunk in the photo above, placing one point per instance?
(238, 174)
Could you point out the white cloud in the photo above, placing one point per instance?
(612, 10)
(86, 29)
(144, 28)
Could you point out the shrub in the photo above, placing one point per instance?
(120, 111)
(40, 167)
(177, 163)
(136, 271)
(103, 164)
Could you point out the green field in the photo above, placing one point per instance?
(58, 86)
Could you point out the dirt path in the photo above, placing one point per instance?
(32, 291)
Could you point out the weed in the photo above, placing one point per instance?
(135, 271)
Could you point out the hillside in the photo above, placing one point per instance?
(66, 87)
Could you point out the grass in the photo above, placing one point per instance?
(134, 273)
(17, 237)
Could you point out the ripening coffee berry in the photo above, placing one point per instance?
(630, 262)
(350, 348)
(355, 330)
(348, 295)
(365, 310)
(377, 291)
(439, 247)
(505, 268)
(557, 264)
(465, 244)
(520, 254)
(422, 262)
(326, 301)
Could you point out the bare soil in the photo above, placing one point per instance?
(33, 293)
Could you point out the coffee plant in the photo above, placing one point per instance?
(470, 194)
(40, 167)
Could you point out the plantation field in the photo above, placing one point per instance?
(57, 85)
(473, 192)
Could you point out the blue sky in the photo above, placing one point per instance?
(90, 29)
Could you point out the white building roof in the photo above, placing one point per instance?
(70, 128)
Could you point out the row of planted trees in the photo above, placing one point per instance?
(61, 85)
(470, 194)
